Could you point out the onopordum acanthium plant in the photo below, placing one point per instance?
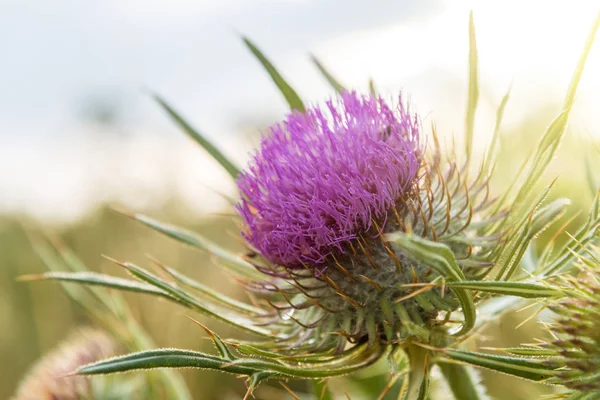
(367, 240)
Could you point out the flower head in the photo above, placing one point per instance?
(577, 333)
(321, 178)
(329, 190)
(47, 380)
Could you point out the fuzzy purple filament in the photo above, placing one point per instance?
(321, 178)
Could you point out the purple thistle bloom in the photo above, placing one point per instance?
(320, 178)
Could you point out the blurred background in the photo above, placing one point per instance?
(79, 133)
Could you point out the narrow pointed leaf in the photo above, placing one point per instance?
(496, 136)
(232, 261)
(473, 96)
(163, 358)
(93, 278)
(553, 135)
(205, 307)
(199, 138)
(519, 289)
(521, 367)
(209, 292)
(290, 94)
(332, 81)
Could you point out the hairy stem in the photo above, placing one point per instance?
(460, 382)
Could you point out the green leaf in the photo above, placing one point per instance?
(290, 94)
(93, 278)
(441, 258)
(332, 81)
(520, 367)
(496, 136)
(365, 356)
(460, 381)
(519, 289)
(163, 358)
(528, 351)
(372, 88)
(473, 97)
(232, 261)
(585, 234)
(222, 348)
(209, 292)
(553, 135)
(537, 222)
(205, 307)
(199, 138)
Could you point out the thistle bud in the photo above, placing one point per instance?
(48, 379)
(577, 333)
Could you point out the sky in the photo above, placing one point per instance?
(78, 127)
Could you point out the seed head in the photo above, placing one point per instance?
(47, 378)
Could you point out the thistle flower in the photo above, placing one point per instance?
(362, 243)
(48, 378)
(321, 202)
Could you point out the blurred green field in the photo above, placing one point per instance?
(38, 315)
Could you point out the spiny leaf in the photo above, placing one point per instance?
(527, 351)
(519, 289)
(332, 81)
(222, 348)
(441, 258)
(496, 136)
(363, 359)
(233, 261)
(537, 222)
(553, 135)
(207, 308)
(585, 234)
(473, 86)
(93, 278)
(290, 94)
(523, 368)
(208, 291)
(163, 358)
(199, 138)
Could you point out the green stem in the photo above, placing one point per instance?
(418, 358)
(460, 381)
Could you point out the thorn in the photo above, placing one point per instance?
(30, 278)
(289, 391)
(115, 261)
(200, 324)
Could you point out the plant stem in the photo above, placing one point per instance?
(418, 358)
(460, 381)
